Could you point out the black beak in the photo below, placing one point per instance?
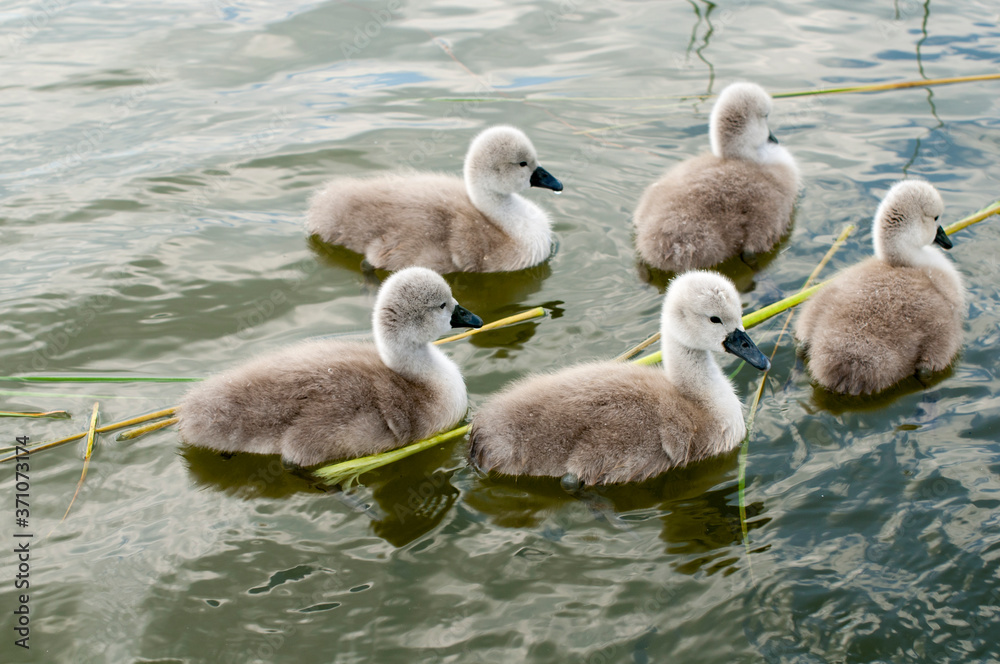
(740, 345)
(542, 178)
(771, 138)
(942, 239)
(462, 317)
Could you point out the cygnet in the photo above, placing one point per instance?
(439, 221)
(609, 422)
(894, 315)
(737, 199)
(324, 400)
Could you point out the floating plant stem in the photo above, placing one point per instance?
(988, 211)
(745, 447)
(537, 312)
(54, 414)
(98, 379)
(91, 436)
(883, 87)
(753, 318)
(878, 87)
(167, 412)
(638, 348)
(132, 434)
(347, 472)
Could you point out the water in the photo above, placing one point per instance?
(158, 160)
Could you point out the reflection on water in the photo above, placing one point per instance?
(246, 476)
(839, 403)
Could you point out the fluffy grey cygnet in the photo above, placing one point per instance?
(737, 199)
(609, 422)
(324, 400)
(892, 315)
(439, 221)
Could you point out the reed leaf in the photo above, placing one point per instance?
(988, 211)
(98, 379)
(975, 218)
(347, 472)
(91, 437)
(65, 395)
(745, 447)
(53, 414)
(883, 87)
(878, 87)
(753, 318)
(132, 434)
(167, 412)
(537, 312)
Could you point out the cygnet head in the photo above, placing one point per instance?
(738, 125)
(414, 307)
(906, 222)
(502, 161)
(702, 311)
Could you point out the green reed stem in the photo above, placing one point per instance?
(347, 472)
(97, 379)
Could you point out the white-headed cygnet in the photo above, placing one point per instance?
(737, 199)
(609, 422)
(894, 315)
(323, 400)
(439, 221)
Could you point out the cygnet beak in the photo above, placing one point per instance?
(740, 345)
(942, 239)
(542, 178)
(462, 317)
(770, 137)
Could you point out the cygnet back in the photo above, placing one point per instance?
(737, 199)
(609, 422)
(444, 223)
(323, 400)
(892, 315)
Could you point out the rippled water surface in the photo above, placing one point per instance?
(157, 163)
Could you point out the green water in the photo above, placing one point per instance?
(157, 163)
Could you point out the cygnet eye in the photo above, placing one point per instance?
(524, 163)
(936, 217)
(444, 304)
(716, 319)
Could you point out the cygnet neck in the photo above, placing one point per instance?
(691, 370)
(523, 221)
(768, 153)
(697, 375)
(508, 210)
(900, 254)
(417, 360)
